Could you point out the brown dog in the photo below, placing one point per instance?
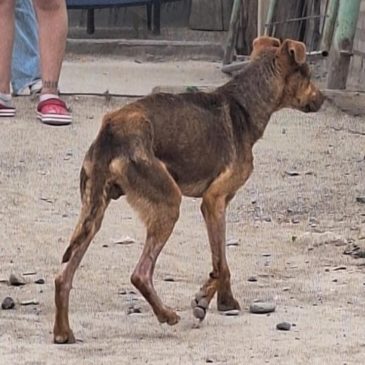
(197, 144)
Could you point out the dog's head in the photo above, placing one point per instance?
(299, 92)
(262, 45)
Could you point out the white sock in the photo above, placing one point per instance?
(44, 97)
(5, 99)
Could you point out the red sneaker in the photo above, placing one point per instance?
(54, 112)
(6, 111)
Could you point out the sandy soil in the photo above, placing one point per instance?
(39, 205)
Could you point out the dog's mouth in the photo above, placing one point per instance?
(314, 105)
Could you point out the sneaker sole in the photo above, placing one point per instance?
(7, 112)
(53, 119)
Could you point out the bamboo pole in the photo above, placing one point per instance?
(232, 32)
(348, 14)
(329, 25)
(270, 15)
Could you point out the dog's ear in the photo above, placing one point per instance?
(296, 51)
(263, 43)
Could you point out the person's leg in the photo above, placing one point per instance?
(52, 25)
(25, 67)
(6, 46)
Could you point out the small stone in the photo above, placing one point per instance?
(134, 310)
(122, 292)
(360, 254)
(232, 242)
(105, 246)
(168, 279)
(295, 220)
(360, 199)
(252, 279)
(262, 307)
(338, 268)
(8, 303)
(125, 241)
(292, 173)
(16, 280)
(29, 302)
(283, 326)
(29, 273)
(40, 281)
(230, 313)
(267, 219)
(209, 361)
(266, 254)
(286, 289)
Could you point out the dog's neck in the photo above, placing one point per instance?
(257, 89)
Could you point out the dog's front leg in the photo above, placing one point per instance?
(214, 208)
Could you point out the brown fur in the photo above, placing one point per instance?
(196, 144)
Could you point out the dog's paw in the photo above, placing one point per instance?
(228, 304)
(66, 337)
(168, 316)
(200, 306)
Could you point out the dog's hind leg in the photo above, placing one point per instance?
(151, 190)
(94, 202)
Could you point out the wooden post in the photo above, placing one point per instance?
(348, 14)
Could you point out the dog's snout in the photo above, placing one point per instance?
(315, 103)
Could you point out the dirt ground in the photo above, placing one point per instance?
(319, 290)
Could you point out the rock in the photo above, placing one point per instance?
(125, 241)
(29, 302)
(252, 279)
(338, 268)
(29, 273)
(319, 239)
(295, 220)
(168, 279)
(208, 360)
(292, 173)
(262, 307)
(16, 280)
(134, 310)
(283, 326)
(360, 254)
(232, 242)
(361, 199)
(8, 303)
(231, 312)
(40, 281)
(361, 235)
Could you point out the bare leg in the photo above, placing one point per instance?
(52, 22)
(7, 36)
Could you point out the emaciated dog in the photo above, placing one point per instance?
(195, 144)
